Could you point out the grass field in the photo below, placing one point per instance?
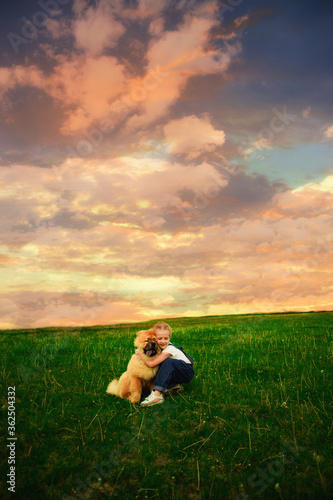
(255, 422)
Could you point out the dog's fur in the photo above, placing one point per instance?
(138, 377)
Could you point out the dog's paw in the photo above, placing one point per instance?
(134, 398)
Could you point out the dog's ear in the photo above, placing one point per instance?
(146, 331)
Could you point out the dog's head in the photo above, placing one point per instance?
(146, 340)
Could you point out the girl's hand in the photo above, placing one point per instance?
(138, 352)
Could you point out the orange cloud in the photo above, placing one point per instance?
(90, 85)
(179, 55)
(96, 29)
(20, 76)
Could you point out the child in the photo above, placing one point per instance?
(175, 366)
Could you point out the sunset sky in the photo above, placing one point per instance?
(164, 158)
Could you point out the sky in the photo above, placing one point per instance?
(164, 159)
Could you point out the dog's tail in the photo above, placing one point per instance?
(113, 387)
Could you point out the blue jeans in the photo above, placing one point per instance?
(173, 371)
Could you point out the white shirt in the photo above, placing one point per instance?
(176, 353)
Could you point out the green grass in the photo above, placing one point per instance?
(255, 422)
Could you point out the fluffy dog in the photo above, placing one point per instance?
(138, 377)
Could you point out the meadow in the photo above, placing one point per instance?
(254, 423)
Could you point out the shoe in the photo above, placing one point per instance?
(174, 388)
(152, 399)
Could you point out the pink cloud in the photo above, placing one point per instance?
(329, 132)
(150, 8)
(96, 28)
(20, 76)
(90, 84)
(312, 199)
(241, 20)
(192, 135)
(85, 87)
(179, 55)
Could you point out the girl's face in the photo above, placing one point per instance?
(163, 339)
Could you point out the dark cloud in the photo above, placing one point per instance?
(244, 196)
(29, 129)
(69, 220)
(252, 191)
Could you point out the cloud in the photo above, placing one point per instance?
(96, 28)
(192, 136)
(86, 87)
(329, 132)
(181, 49)
(179, 55)
(271, 260)
(194, 313)
(20, 76)
(43, 308)
(153, 220)
(9, 312)
(306, 112)
(255, 147)
(166, 300)
(83, 87)
(311, 200)
(88, 84)
(156, 26)
(241, 20)
(150, 8)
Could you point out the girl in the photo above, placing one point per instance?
(175, 367)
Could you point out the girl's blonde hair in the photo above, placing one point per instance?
(159, 327)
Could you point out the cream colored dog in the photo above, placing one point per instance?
(139, 376)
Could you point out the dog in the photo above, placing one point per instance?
(139, 377)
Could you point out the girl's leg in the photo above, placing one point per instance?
(173, 371)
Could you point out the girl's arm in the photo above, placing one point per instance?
(154, 362)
